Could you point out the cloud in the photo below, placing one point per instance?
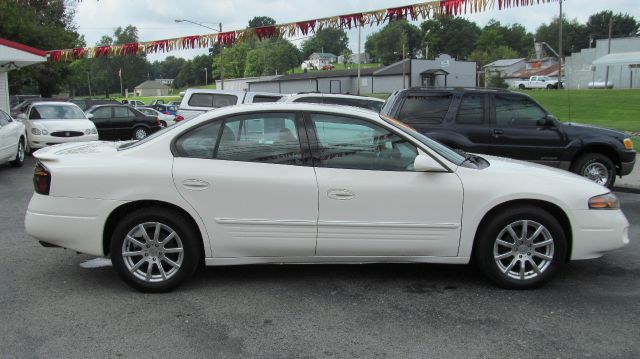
(155, 18)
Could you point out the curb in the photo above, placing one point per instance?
(626, 190)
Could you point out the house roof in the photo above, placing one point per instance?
(505, 62)
(621, 58)
(153, 85)
(525, 74)
(14, 55)
(321, 74)
(434, 72)
(323, 54)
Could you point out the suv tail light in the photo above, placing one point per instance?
(178, 118)
(41, 179)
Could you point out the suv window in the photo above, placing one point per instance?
(517, 111)
(471, 110)
(266, 138)
(425, 109)
(212, 100)
(261, 98)
(199, 142)
(351, 143)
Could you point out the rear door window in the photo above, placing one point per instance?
(199, 142)
(471, 110)
(425, 109)
(102, 112)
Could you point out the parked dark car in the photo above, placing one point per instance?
(122, 122)
(508, 124)
(85, 104)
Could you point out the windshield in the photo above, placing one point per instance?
(444, 151)
(56, 112)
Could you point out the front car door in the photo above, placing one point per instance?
(519, 131)
(371, 202)
(250, 178)
(102, 120)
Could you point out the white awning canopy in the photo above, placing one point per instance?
(14, 55)
(621, 58)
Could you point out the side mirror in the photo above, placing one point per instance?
(547, 121)
(424, 163)
(21, 116)
(89, 116)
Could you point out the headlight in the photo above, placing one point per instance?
(94, 131)
(87, 131)
(37, 131)
(628, 144)
(605, 201)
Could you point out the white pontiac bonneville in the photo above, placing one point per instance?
(306, 183)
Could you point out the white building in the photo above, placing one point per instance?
(13, 56)
(319, 59)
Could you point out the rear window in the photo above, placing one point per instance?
(261, 99)
(212, 100)
(430, 110)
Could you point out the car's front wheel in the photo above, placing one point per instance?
(596, 167)
(155, 249)
(19, 160)
(521, 248)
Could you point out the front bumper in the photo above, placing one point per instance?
(627, 167)
(36, 142)
(596, 232)
(73, 223)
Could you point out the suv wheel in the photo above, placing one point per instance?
(155, 249)
(521, 247)
(596, 167)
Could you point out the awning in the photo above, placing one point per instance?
(14, 55)
(621, 58)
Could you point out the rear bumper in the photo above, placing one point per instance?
(73, 223)
(596, 232)
(627, 167)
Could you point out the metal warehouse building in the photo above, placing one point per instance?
(440, 72)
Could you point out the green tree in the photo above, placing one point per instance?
(386, 45)
(452, 35)
(487, 56)
(260, 21)
(575, 35)
(623, 25)
(346, 54)
(45, 25)
(325, 40)
(277, 57)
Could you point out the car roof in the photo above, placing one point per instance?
(331, 95)
(57, 103)
(222, 92)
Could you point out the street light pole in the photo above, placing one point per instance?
(219, 46)
(560, 49)
(206, 81)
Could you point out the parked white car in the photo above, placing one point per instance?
(306, 183)
(13, 139)
(537, 82)
(198, 101)
(50, 123)
(369, 103)
(165, 120)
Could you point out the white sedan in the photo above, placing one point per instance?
(165, 119)
(13, 139)
(306, 183)
(50, 123)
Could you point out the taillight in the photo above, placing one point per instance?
(165, 112)
(41, 179)
(158, 121)
(178, 118)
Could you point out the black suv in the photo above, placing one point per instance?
(509, 124)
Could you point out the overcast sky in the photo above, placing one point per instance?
(155, 18)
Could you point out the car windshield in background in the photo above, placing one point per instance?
(56, 112)
(442, 150)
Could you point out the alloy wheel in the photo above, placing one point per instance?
(152, 252)
(21, 151)
(140, 133)
(597, 172)
(523, 250)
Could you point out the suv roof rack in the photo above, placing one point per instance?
(493, 89)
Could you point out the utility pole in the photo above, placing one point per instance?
(221, 62)
(606, 76)
(120, 76)
(89, 81)
(206, 80)
(404, 66)
(359, 59)
(561, 56)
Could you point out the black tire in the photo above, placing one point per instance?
(584, 165)
(494, 227)
(140, 133)
(186, 235)
(522, 87)
(550, 87)
(19, 160)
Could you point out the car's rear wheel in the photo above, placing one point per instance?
(140, 133)
(155, 249)
(19, 160)
(521, 248)
(163, 124)
(597, 167)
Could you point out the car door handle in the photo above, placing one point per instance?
(497, 133)
(195, 185)
(340, 194)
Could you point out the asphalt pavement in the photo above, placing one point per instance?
(50, 306)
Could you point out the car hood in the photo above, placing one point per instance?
(580, 129)
(63, 125)
(57, 152)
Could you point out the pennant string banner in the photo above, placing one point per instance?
(424, 11)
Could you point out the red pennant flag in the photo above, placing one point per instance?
(226, 38)
(346, 20)
(103, 51)
(78, 53)
(130, 49)
(305, 26)
(266, 32)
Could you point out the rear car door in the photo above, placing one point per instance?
(519, 131)
(371, 202)
(470, 129)
(251, 180)
(122, 122)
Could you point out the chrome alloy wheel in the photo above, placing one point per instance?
(523, 249)
(152, 252)
(140, 134)
(21, 151)
(597, 172)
